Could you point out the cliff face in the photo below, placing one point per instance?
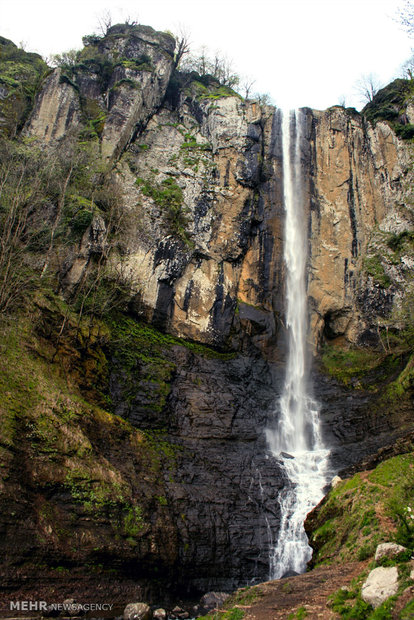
(202, 191)
(198, 253)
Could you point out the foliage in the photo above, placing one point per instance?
(373, 266)
(408, 611)
(205, 65)
(20, 76)
(66, 59)
(169, 196)
(358, 367)
(352, 519)
(389, 104)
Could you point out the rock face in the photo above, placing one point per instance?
(358, 175)
(201, 256)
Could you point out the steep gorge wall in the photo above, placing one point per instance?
(201, 253)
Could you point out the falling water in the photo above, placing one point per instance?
(296, 440)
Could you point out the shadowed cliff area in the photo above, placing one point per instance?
(142, 308)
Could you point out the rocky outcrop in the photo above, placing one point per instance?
(359, 176)
(116, 87)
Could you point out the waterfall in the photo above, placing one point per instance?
(296, 440)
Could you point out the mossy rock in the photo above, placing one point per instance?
(390, 104)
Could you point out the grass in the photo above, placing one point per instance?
(351, 366)
(365, 510)
(45, 417)
(231, 611)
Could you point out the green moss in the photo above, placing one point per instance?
(140, 63)
(144, 337)
(390, 104)
(403, 385)
(21, 74)
(374, 267)
(350, 522)
(351, 366)
(169, 196)
(126, 82)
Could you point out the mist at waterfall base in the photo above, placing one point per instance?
(297, 430)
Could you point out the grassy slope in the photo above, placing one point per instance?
(70, 469)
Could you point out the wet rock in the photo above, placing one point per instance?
(289, 573)
(159, 614)
(380, 584)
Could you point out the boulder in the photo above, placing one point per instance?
(137, 611)
(212, 600)
(159, 614)
(388, 550)
(335, 481)
(380, 584)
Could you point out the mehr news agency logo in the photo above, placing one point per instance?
(69, 606)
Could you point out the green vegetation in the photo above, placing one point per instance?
(349, 605)
(169, 196)
(389, 104)
(299, 614)
(231, 610)
(356, 515)
(231, 614)
(20, 76)
(358, 367)
(401, 241)
(68, 444)
(375, 268)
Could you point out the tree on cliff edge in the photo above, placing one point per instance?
(405, 17)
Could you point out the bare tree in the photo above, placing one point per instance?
(183, 46)
(407, 68)
(246, 86)
(405, 16)
(104, 22)
(218, 66)
(367, 87)
(66, 59)
(263, 99)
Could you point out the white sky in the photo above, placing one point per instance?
(303, 53)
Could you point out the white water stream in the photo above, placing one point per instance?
(297, 434)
